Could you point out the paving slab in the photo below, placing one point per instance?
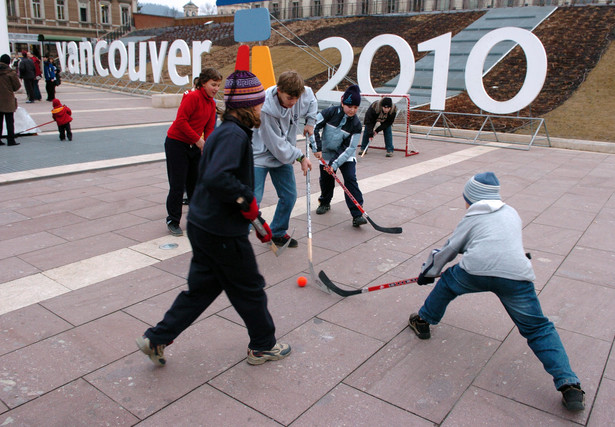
(84, 274)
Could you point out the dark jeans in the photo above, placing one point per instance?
(65, 132)
(37, 91)
(182, 171)
(220, 264)
(327, 185)
(29, 86)
(10, 126)
(50, 87)
(520, 301)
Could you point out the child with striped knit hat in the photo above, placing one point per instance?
(489, 238)
(221, 209)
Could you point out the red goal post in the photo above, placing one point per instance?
(401, 126)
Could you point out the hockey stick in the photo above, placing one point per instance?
(366, 147)
(391, 230)
(34, 127)
(258, 226)
(346, 293)
(320, 285)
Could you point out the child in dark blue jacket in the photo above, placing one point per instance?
(341, 131)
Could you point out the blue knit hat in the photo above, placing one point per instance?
(352, 96)
(482, 186)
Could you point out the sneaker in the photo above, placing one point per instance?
(361, 151)
(155, 352)
(185, 201)
(419, 326)
(358, 221)
(573, 397)
(323, 209)
(13, 143)
(174, 228)
(389, 154)
(2, 143)
(281, 241)
(70, 138)
(279, 351)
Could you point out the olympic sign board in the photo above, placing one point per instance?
(84, 58)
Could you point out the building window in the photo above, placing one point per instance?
(391, 6)
(11, 9)
(105, 16)
(365, 7)
(275, 10)
(295, 10)
(37, 9)
(339, 7)
(60, 10)
(83, 13)
(317, 8)
(125, 16)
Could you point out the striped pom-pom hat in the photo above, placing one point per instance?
(243, 89)
(482, 186)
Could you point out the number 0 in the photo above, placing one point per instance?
(535, 75)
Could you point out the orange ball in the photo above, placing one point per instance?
(301, 281)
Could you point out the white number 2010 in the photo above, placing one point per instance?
(535, 55)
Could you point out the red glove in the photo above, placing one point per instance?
(264, 227)
(250, 212)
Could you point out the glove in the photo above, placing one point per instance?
(333, 165)
(263, 232)
(422, 280)
(249, 211)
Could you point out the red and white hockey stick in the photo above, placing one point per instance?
(329, 284)
(391, 230)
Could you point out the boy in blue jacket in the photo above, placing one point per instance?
(341, 131)
(490, 239)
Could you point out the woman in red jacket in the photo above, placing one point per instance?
(196, 119)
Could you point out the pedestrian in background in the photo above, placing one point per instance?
(9, 83)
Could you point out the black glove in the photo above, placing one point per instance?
(422, 280)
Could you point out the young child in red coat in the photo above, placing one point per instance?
(63, 116)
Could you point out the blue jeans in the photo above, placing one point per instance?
(520, 301)
(388, 139)
(283, 179)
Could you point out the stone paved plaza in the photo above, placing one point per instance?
(84, 272)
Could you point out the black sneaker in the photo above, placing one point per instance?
(573, 397)
(323, 209)
(174, 228)
(419, 326)
(358, 221)
(185, 201)
(281, 241)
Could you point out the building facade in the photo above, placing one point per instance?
(57, 20)
(295, 9)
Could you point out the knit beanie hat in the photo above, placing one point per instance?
(56, 103)
(352, 96)
(387, 102)
(482, 186)
(243, 89)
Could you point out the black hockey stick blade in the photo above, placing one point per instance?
(329, 284)
(390, 230)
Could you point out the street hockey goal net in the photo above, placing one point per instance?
(401, 126)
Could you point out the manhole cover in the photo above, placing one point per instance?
(168, 246)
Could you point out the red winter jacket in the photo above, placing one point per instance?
(61, 113)
(196, 115)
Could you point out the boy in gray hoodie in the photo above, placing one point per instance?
(275, 146)
(490, 239)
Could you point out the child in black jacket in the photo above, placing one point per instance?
(218, 227)
(381, 113)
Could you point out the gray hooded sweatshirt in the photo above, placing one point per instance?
(489, 237)
(275, 142)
